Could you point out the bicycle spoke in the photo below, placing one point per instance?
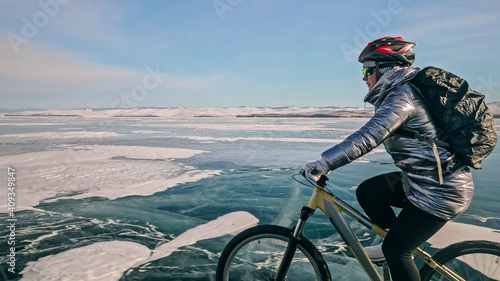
(258, 255)
(477, 266)
(263, 258)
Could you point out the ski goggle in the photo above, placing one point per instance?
(367, 71)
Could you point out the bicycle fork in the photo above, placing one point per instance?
(295, 237)
(333, 208)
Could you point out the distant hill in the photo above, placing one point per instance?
(495, 108)
(187, 112)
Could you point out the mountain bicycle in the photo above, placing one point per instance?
(271, 252)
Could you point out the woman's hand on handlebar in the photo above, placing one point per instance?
(314, 170)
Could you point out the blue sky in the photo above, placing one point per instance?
(62, 54)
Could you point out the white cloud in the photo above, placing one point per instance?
(37, 62)
(53, 78)
(444, 25)
(91, 20)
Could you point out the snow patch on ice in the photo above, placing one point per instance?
(62, 135)
(454, 232)
(232, 223)
(495, 108)
(98, 261)
(234, 139)
(105, 171)
(250, 125)
(110, 260)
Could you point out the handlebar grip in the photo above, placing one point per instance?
(322, 181)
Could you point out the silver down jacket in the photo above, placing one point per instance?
(397, 103)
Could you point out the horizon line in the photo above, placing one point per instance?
(12, 110)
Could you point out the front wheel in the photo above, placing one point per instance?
(256, 253)
(472, 260)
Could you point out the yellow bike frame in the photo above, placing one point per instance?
(333, 206)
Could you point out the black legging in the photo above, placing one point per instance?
(408, 230)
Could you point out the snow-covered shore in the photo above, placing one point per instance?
(187, 112)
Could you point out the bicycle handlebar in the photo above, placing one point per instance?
(322, 179)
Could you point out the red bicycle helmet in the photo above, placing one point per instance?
(389, 49)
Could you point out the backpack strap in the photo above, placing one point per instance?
(414, 134)
(407, 132)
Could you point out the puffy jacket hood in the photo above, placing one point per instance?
(393, 77)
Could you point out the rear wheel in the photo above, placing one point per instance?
(256, 253)
(472, 260)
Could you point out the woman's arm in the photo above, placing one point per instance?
(389, 116)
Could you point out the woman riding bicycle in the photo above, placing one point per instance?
(427, 201)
